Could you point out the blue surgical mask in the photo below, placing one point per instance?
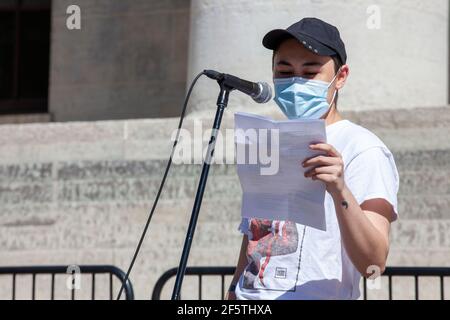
(301, 98)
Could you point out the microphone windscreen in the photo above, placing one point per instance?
(265, 94)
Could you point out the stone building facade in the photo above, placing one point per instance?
(77, 184)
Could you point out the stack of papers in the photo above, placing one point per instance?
(269, 154)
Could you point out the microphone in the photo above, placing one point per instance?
(261, 92)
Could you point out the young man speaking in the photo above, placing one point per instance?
(286, 260)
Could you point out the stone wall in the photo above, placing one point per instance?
(79, 193)
(129, 60)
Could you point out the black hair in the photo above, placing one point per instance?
(337, 65)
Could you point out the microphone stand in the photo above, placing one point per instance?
(222, 102)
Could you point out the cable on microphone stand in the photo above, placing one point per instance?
(180, 124)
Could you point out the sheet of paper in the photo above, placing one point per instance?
(269, 155)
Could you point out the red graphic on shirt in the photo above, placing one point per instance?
(266, 241)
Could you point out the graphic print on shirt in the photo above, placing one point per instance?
(269, 240)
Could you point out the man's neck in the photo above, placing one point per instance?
(333, 116)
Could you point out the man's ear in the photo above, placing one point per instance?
(342, 77)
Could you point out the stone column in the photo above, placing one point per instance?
(401, 64)
(127, 61)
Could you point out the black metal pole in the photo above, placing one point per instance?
(222, 102)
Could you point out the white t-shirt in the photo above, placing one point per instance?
(291, 261)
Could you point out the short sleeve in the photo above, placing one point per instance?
(373, 174)
(243, 226)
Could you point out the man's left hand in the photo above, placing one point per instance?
(328, 168)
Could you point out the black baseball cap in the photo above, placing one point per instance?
(316, 35)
